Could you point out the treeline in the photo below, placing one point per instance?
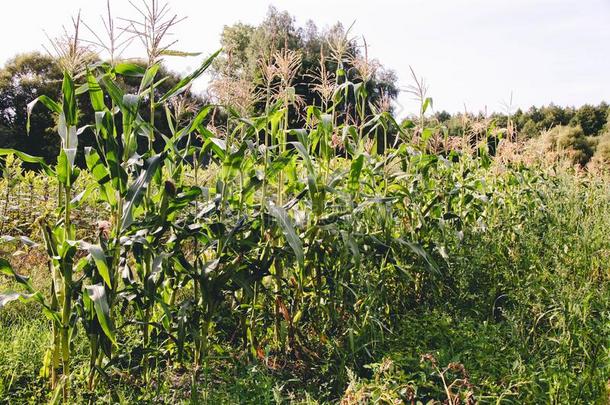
(532, 122)
(239, 79)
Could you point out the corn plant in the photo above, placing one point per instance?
(299, 238)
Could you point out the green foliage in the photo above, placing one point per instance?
(569, 141)
(30, 75)
(261, 262)
(247, 50)
(534, 121)
(591, 118)
(601, 157)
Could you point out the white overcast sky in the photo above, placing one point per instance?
(472, 53)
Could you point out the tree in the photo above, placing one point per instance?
(529, 129)
(24, 78)
(247, 49)
(442, 116)
(590, 118)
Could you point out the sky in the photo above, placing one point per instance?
(476, 55)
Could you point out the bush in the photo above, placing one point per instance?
(601, 157)
(568, 142)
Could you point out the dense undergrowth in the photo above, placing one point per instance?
(350, 259)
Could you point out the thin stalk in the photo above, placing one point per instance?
(67, 302)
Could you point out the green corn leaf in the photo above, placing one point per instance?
(97, 294)
(101, 175)
(28, 159)
(182, 84)
(169, 52)
(311, 172)
(308, 163)
(200, 117)
(9, 297)
(7, 269)
(114, 91)
(96, 95)
(217, 146)
(290, 234)
(419, 251)
(47, 102)
(427, 103)
(353, 247)
(32, 295)
(69, 100)
(354, 173)
(129, 69)
(99, 257)
(149, 77)
(135, 192)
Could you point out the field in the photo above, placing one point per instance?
(246, 259)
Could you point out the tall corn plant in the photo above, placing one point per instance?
(90, 290)
(59, 238)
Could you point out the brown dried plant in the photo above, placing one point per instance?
(365, 67)
(419, 91)
(183, 106)
(383, 103)
(324, 81)
(340, 45)
(155, 26)
(237, 93)
(267, 70)
(287, 64)
(116, 41)
(72, 56)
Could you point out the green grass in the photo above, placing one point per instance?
(22, 346)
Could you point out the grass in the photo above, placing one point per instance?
(22, 345)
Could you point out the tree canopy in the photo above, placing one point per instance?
(248, 51)
(591, 119)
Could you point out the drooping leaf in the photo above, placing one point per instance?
(182, 84)
(6, 298)
(99, 257)
(135, 191)
(7, 269)
(290, 234)
(27, 158)
(47, 102)
(97, 294)
(419, 251)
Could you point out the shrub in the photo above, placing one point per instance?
(601, 157)
(569, 143)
